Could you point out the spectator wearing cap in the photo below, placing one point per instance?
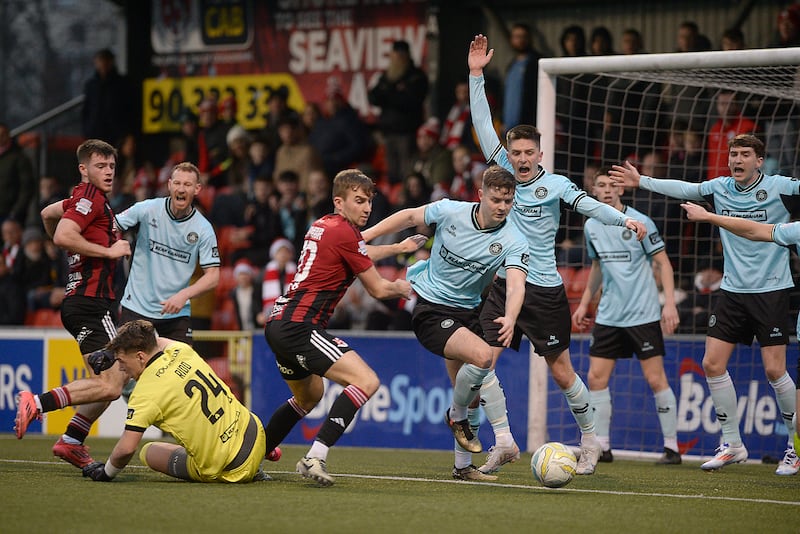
(277, 275)
(246, 296)
(400, 93)
(338, 134)
(295, 153)
(432, 160)
(787, 29)
(109, 105)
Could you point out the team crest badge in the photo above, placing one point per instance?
(627, 234)
(495, 249)
(761, 195)
(540, 192)
(192, 238)
(447, 323)
(712, 320)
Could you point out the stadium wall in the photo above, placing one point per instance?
(407, 411)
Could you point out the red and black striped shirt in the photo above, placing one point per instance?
(333, 254)
(89, 208)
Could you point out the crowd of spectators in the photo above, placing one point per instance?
(262, 189)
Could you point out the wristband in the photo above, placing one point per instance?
(111, 470)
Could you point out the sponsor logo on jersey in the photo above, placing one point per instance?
(153, 222)
(761, 195)
(451, 230)
(755, 215)
(462, 263)
(192, 238)
(528, 211)
(315, 233)
(84, 206)
(168, 252)
(495, 249)
(541, 192)
(362, 248)
(622, 256)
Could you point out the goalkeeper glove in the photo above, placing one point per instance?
(97, 472)
(100, 360)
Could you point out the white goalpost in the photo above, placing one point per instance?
(659, 111)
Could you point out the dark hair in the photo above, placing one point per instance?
(734, 34)
(289, 176)
(94, 146)
(352, 180)
(603, 33)
(578, 32)
(496, 177)
(524, 131)
(748, 141)
(134, 335)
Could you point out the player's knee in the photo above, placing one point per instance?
(369, 383)
(713, 368)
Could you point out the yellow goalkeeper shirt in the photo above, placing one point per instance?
(180, 394)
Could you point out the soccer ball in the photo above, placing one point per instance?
(553, 465)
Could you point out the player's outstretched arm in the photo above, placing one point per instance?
(625, 175)
(755, 231)
(479, 55)
(381, 288)
(120, 456)
(406, 246)
(400, 220)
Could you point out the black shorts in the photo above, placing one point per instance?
(303, 349)
(738, 317)
(545, 317)
(90, 320)
(177, 328)
(434, 324)
(617, 342)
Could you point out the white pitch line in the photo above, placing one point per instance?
(493, 484)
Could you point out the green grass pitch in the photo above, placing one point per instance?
(384, 490)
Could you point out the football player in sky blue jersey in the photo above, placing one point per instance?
(785, 234)
(471, 242)
(546, 318)
(629, 318)
(172, 238)
(755, 283)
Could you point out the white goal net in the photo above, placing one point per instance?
(671, 115)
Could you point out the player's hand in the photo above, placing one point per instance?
(506, 333)
(174, 304)
(413, 243)
(403, 288)
(695, 212)
(669, 319)
(100, 360)
(638, 227)
(580, 319)
(625, 175)
(97, 472)
(478, 56)
(119, 249)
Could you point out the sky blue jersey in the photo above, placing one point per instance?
(750, 266)
(630, 295)
(537, 202)
(167, 251)
(464, 257)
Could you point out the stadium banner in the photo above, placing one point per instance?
(408, 409)
(634, 422)
(303, 48)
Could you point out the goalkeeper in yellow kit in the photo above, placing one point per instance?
(218, 439)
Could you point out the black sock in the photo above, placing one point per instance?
(281, 423)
